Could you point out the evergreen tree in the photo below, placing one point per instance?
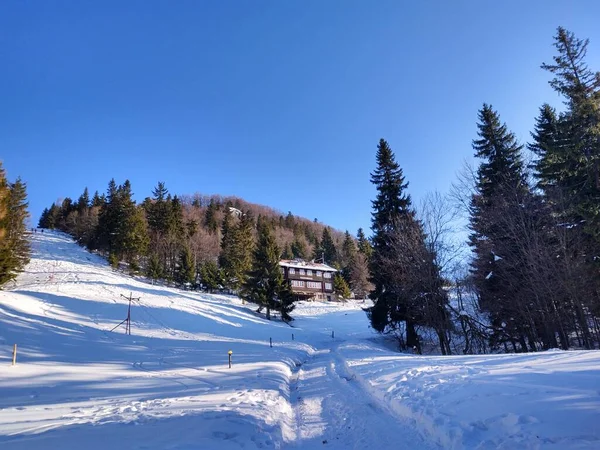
(227, 255)
(287, 252)
(326, 250)
(298, 248)
(340, 287)
(265, 285)
(210, 276)
(187, 268)
(390, 204)
(547, 147)
(243, 247)
(158, 210)
(154, 269)
(500, 189)
(575, 165)
(364, 246)
(348, 256)
(210, 217)
(97, 201)
(83, 203)
(43, 222)
(14, 246)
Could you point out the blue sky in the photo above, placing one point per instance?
(279, 102)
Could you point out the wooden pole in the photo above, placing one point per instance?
(271, 342)
(229, 354)
(14, 355)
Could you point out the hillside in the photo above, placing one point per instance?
(77, 384)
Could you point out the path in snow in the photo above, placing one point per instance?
(334, 412)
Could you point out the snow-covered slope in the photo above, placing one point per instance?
(168, 385)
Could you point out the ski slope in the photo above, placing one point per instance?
(168, 385)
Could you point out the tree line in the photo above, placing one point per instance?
(14, 244)
(208, 242)
(534, 236)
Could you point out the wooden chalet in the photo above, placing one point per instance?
(309, 280)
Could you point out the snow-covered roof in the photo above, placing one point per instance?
(301, 264)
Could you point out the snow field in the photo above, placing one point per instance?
(168, 386)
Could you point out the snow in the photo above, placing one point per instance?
(168, 385)
(301, 264)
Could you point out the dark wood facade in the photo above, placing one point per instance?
(309, 280)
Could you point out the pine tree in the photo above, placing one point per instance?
(227, 255)
(326, 250)
(43, 222)
(547, 147)
(187, 268)
(348, 255)
(210, 276)
(364, 246)
(575, 164)
(4, 195)
(83, 203)
(154, 269)
(500, 189)
(243, 247)
(210, 217)
(14, 246)
(298, 248)
(340, 287)
(265, 285)
(390, 204)
(97, 201)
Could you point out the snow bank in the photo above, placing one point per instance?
(545, 400)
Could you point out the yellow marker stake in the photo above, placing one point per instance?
(229, 353)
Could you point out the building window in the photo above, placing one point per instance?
(292, 271)
(302, 272)
(282, 270)
(328, 286)
(309, 272)
(297, 283)
(319, 273)
(313, 284)
(327, 274)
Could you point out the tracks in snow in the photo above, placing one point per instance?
(334, 411)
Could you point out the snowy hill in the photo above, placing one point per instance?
(77, 384)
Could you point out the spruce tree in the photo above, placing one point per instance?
(14, 246)
(500, 189)
(83, 203)
(210, 276)
(364, 246)
(546, 146)
(227, 254)
(265, 285)
(187, 269)
(340, 287)
(154, 268)
(326, 250)
(4, 192)
(348, 258)
(298, 248)
(575, 165)
(390, 204)
(210, 217)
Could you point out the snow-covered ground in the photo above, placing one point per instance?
(168, 386)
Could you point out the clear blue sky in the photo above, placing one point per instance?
(278, 102)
